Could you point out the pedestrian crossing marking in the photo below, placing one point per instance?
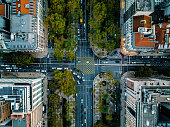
(86, 65)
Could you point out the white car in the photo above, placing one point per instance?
(43, 70)
(53, 67)
(87, 61)
(78, 76)
(59, 68)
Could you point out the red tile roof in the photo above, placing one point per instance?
(137, 23)
(143, 42)
(160, 34)
(23, 8)
(2, 9)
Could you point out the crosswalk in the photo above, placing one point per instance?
(85, 64)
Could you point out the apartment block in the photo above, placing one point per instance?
(147, 102)
(26, 30)
(5, 111)
(140, 31)
(25, 98)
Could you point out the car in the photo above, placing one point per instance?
(15, 67)
(78, 82)
(84, 120)
(78, 61)
(117, 61)
(66, 68)
(87, 61)
(105, 62)
(43, 71)
(84, 80)
(59, 68)
(78, 76)
(133, 62)
(78, 31)
(82, 100)
(44, 108)
(8, 67)
(84, 24)
(37, 70)
(53, 67)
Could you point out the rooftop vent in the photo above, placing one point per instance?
(27, 6)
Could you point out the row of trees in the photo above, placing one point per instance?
(62, 21)
(144, 72)
(60, 106)
(18, 58)
(103, 32)
(107, 99)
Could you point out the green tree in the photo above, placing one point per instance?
(109, 75)
(70, 55)
(109, 117)
(100, 123)
(58, 53)
(18, 58)
(104, 109)
(105, 96)
(144, 72)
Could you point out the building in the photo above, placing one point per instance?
(139, 25)
(5, 111)
(26, 26)
(25, 98)
(147, 102)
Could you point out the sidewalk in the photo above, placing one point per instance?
(129, 74)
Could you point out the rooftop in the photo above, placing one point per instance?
(24, 7)
(162, 32)
(143, 33)
(2, 9)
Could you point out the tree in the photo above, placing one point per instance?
(70, 55)
(53, 85)
(100, 123)
(18, 58)
(144, 72)
(104, 109)
(105, 96)
(58, 53)
(109, 117)
(109, 75)
(66, 82)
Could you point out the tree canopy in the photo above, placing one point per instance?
(103, 32)
(66, 82)
(62, 22)
(18, 58)
(144, 72)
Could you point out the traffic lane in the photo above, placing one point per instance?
(89, 105)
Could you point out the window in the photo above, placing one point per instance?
(142, 21)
